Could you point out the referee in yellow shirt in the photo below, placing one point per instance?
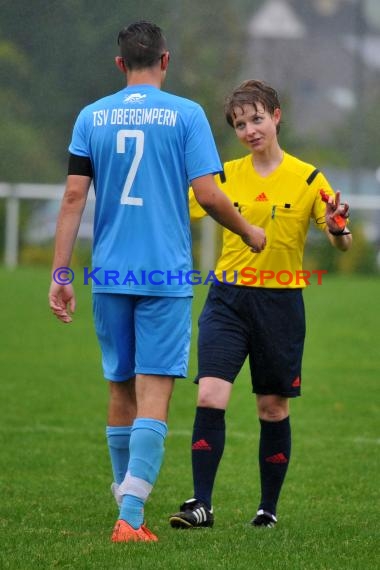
(257, 309)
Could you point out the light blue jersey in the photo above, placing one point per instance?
(146, 146)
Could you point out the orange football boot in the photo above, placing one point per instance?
(123, 532)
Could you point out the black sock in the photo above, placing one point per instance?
(274, 455)
(206, 451)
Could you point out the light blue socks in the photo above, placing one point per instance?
(118, 445)
(146, 452)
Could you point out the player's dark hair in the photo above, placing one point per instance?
(142, 44)
(251, 92)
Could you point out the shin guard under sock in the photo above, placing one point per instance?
(146, 450)
(118, 445)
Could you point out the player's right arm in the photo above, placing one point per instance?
(195, 209)
(218, 206)
(62, 297)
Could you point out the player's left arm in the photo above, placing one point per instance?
(61, 296)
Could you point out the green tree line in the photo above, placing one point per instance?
(57, 56)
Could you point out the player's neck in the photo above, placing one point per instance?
(267, 161)
(145, 77)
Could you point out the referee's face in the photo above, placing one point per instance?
(256, 128)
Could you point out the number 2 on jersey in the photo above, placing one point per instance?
(122, 135)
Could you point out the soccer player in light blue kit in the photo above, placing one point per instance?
(142, 148)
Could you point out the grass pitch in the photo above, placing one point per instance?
(56, 510)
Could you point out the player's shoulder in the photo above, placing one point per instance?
(142, 95)
(179, 99)
(187, 107)
(102, 103)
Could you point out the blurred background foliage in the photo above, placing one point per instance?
(57, 56)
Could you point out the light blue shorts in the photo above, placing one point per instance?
(142, 334)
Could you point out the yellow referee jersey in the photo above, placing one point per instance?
(282, 203)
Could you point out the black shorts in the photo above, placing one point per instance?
(268, 325)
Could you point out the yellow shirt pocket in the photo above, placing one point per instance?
(286, 228)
